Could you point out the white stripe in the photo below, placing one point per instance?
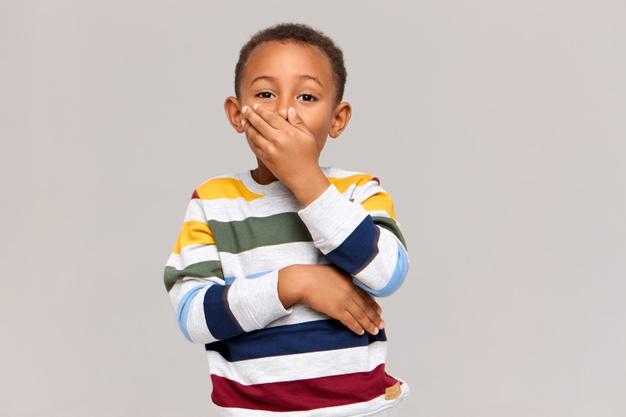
(194, 211)
(337, 172)
(192, 254)
(301, 365)
(381, 213)
(196, 321)
(266, 258)
(236, 209)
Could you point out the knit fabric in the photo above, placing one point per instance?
(222, 279)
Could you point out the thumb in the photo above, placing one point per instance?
(294, 118)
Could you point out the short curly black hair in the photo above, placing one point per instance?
(298, 32)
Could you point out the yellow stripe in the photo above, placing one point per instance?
(225, 188)
(380, 201)
(193, 232)
(234, 188)
(342, 184)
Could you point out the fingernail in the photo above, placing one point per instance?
(256, 106)
(243, 122)
(375, 331)
(381, 325)
(244, 109)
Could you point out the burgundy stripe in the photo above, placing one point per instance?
(303, 394)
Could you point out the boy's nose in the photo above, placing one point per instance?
(283, 105)
(282, 110)
(280, 107)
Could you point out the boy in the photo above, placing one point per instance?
(275, 270)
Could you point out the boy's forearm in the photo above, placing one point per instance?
(368, 246)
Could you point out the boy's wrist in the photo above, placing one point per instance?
(309, 188)
(292, 281)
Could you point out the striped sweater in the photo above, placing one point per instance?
(222, 279)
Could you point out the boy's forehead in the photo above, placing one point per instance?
(276, 61)
(296, 77)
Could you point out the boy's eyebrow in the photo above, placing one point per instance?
(300, 76)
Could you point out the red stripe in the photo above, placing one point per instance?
(303, 394)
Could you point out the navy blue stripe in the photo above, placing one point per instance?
(312, 336)
(219, 319)
(358, 249)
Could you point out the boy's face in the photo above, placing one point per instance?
(314, 101)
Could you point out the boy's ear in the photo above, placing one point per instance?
(232, 107)
(343, 112)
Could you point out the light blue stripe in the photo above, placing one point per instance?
(182, 311)
(397, 278)
(229, 279)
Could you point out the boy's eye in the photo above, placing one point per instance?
(263, 92)
(308, 95)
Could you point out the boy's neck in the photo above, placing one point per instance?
(262, 175)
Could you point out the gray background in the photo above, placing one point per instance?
(498, 127)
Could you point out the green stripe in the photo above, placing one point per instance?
(198, 270)
(391, 225)
(253, 232)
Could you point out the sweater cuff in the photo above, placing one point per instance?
(254, 301)
(331, 218)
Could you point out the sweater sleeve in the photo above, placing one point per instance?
(207, 309)
(360, 235)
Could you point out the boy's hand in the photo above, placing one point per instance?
(327, 289)
(286, 147)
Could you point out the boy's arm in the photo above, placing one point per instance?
(206, 308)
(361, 236)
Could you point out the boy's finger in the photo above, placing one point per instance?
(255, 140)
(368, 298)
(365, 315)
(272, 118)
(352, 323)
(254, 136)
(259, 123)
